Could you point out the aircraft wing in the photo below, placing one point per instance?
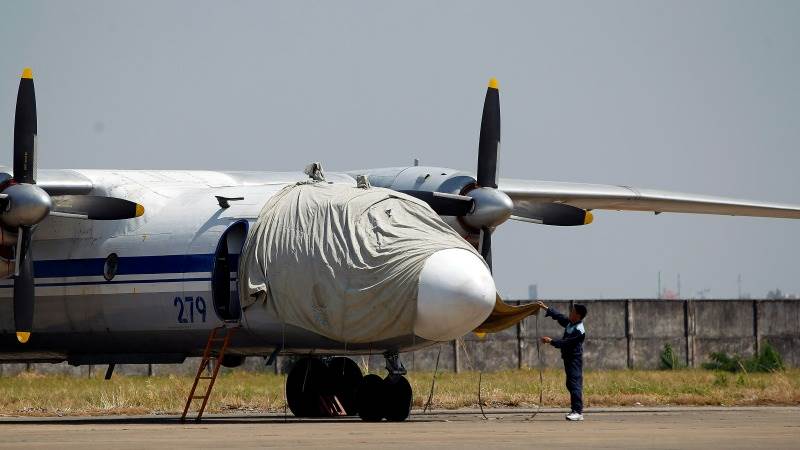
(528, 195)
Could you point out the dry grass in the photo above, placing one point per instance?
(39, 395)
(45, 395)
(520, 388)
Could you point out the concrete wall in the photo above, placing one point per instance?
(778, 322)
(632, 334)
(620, 334)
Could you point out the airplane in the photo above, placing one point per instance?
(140, 266)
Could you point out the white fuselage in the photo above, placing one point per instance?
(150, 289)
(158, 306)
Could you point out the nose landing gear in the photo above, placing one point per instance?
(397, 398)
(330, 387)
(389, 397)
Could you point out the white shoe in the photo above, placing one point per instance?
(573, 416)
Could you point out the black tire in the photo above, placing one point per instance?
(303, 387)
(346, 377)
(398, 397)
(371, 398)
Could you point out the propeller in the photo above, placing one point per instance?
(94, 207)
(23, 286)
(497, 205)
(23, 205)
(553, 214)
(482, 207)
(489, 141)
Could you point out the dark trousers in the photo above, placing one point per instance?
(574, 369)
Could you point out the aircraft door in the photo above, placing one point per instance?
(224, 276)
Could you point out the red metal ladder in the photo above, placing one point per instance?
(209, 354)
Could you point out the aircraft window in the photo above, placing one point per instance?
(110, 266)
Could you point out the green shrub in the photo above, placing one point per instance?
(669, 360)
(767, 360)
(721, 361)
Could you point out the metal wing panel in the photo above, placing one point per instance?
(57, 181)
(525, 193)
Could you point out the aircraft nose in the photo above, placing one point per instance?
(456, 294)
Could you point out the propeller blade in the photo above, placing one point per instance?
(444, 204)
(23, 286)
(489, 142)
(25, 130)
(95, 207)
(557, 214)
(485, 246)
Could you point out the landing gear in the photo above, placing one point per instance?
(323, 387)
(371, 398)
(398, 398)
(344, 382)
(329, 387)
(397, 394)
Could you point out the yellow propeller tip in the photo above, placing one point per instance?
(27, 73)
(589, 218)
(139, 210)
(23, 336)
(480, 334)
(493, 83)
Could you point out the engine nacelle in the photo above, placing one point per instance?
(424, 178)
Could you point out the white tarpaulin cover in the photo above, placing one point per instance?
(342, 261)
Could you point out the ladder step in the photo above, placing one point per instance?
(206, 363)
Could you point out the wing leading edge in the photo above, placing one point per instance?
(527, 194)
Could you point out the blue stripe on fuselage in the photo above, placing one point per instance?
(127, 265)
(103, 283)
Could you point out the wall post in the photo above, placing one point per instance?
(629, 333)
(520, 340)
(687, 339)
(756, 332)
(456, 359)
(691, 331)
(520, 345)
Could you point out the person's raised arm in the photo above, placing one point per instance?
(557, 316)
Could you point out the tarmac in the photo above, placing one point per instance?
(641, 428)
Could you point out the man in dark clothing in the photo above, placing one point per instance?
(571, 346)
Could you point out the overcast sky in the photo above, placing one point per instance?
(689, 96)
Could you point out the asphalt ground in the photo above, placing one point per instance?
(641, 428)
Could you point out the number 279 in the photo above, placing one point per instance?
(187, 306)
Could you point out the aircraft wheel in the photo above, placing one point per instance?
(346, 377)
(304, 386)
(397, 397)
(371, 398)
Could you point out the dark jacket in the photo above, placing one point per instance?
(571, 344)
